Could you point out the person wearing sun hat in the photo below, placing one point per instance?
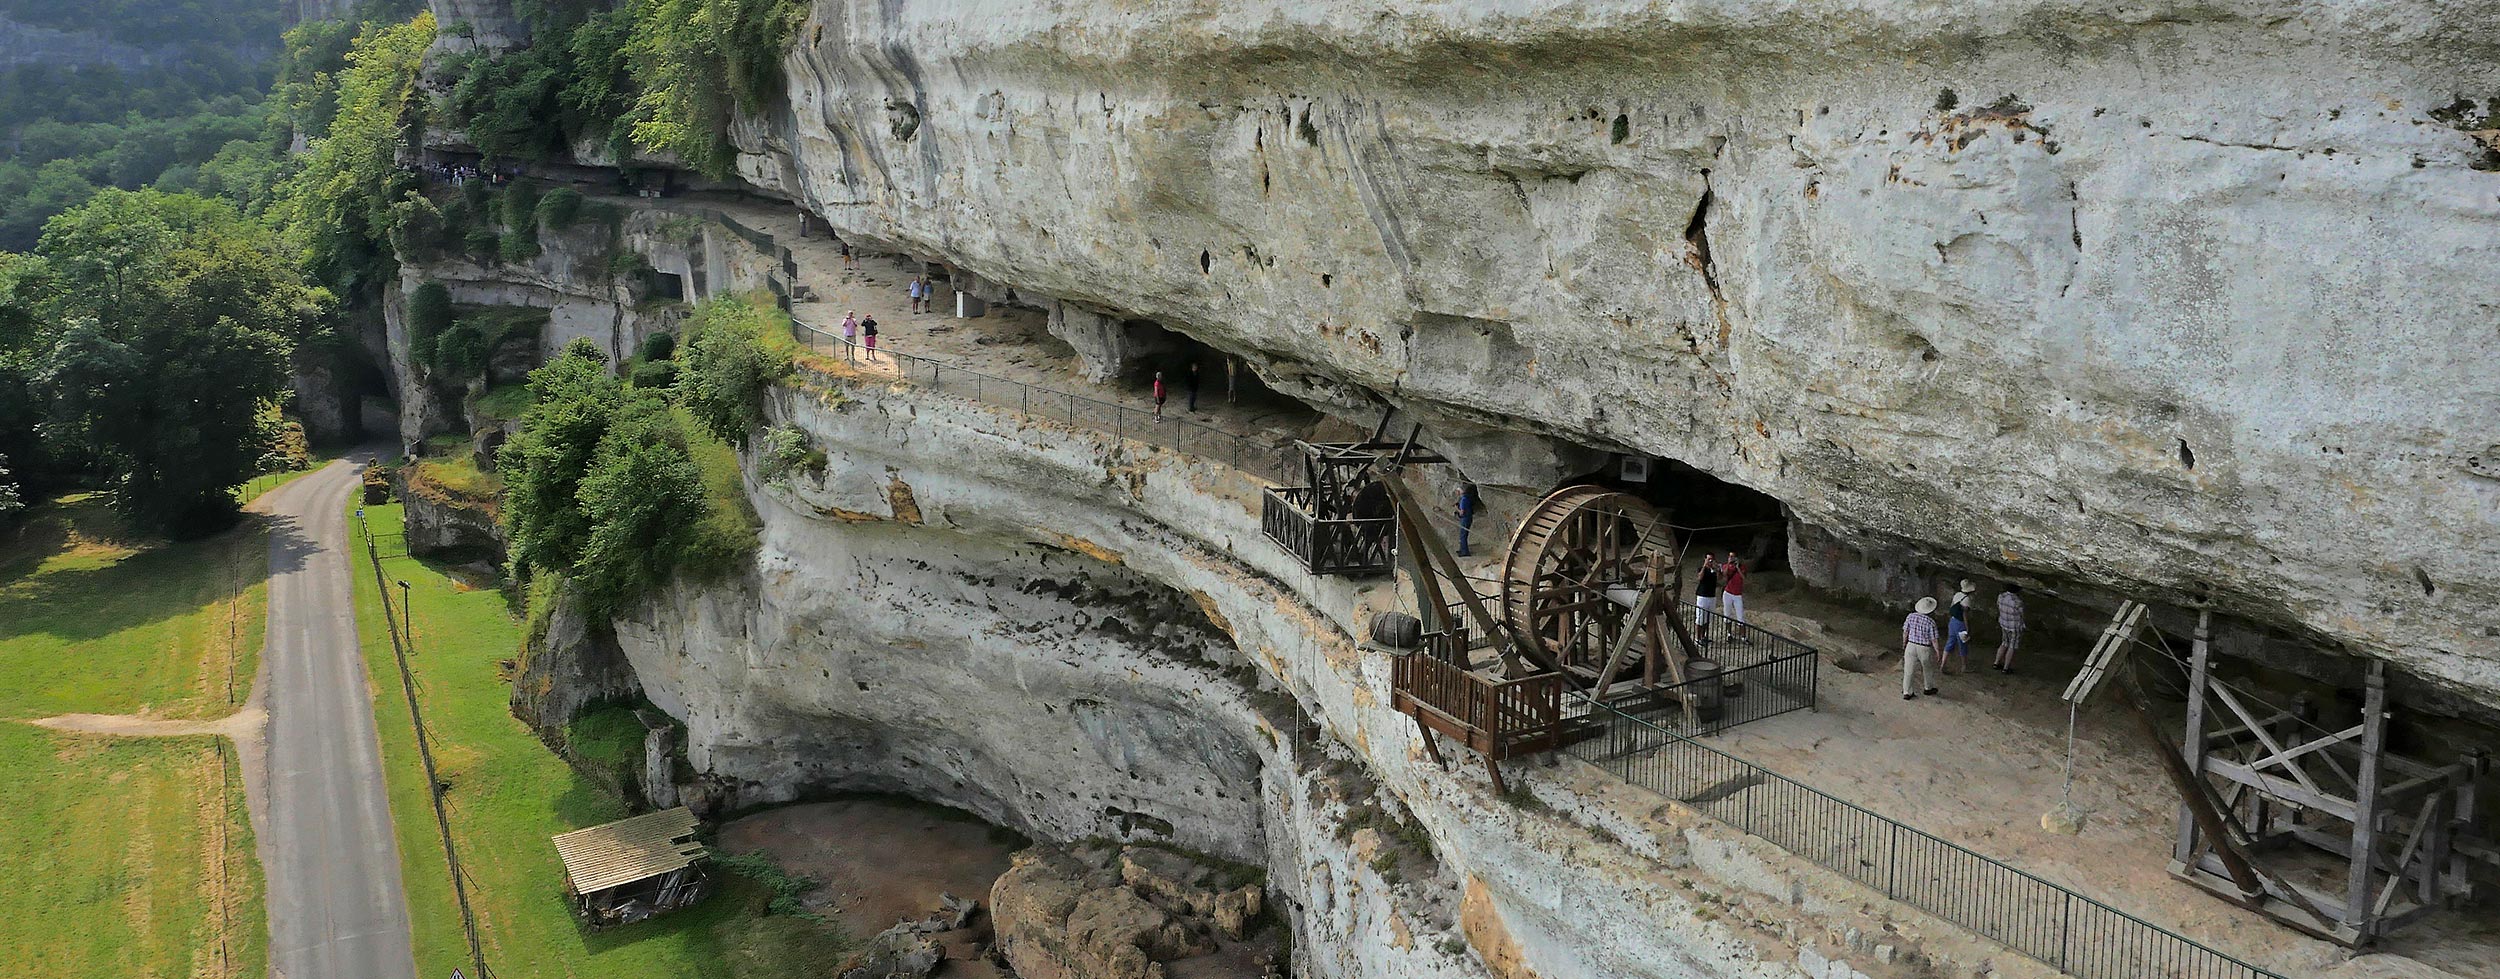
(1957, 628)
(1918, 649)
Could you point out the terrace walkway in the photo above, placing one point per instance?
(1976, 767)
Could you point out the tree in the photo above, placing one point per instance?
(175, 318)
(544, 463)
(644, 498)
(338, 207)
(727, 365)
(699, 63)
(9, 502)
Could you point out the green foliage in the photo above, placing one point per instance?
(729, 362)
(459, 354)
(789, 893)
(603, 486)
(174, 320)
(657, 346)
(658, 375)
(429, 313)
(340, 208)
(9, 501)
(504, 401)
(560, 208)
(569, 84)
(681, 54)
(543, 465)
(644, 497)
(787, 450)
(462, 351)
(518, 207)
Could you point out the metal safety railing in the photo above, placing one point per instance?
(2075, 934)
(1267, 460)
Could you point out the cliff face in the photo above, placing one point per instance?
(2171, 300)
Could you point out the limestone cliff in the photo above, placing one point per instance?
(2171, 300)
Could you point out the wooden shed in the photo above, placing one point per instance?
(628, 870)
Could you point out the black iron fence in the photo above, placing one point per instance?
(2068, 931)
(1265, 459)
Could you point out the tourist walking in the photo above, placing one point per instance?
(918, 291)
(1732, 600)
(868, 335)
(850, 334)
(1231, 366)
(2009, 626)
(1190, 381)
(1706, 596)
(1468, 504)
(1957, 629)
(849, 261)
(1158, 393)
(1918, 650)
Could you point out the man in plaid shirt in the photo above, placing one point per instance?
(2010, 626)
(1918, 649)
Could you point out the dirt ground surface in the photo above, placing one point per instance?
(883, 862)
(1979, 764)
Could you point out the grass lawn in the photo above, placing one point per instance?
(96, 619)
(452, 476)
(508, 794)
(145, 850)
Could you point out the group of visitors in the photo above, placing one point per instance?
(923, 295)
(462, 175)
(1924, 648)
(859, 333)
(1189, 383)
(1719, 599)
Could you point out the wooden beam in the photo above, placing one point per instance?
(2366, 802)
(2232, 701)
(2193, 752)
(1514, 647)
(2304, 748)
(2282, 789)
(2192, 792)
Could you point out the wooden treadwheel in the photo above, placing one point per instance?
(1574, 571)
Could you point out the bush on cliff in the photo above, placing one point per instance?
(681, 53)
(730, 359)
(607, 485)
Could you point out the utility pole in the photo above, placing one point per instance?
(407, 615)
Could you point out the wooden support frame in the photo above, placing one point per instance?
(2288, 786)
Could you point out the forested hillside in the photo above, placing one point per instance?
(137, 93)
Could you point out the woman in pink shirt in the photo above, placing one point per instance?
(1732, 599)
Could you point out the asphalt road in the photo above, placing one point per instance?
(336, 909)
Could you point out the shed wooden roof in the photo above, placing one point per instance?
(628, 850)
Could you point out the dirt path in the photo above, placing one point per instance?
(241, 726)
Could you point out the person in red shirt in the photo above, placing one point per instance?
(1158, 395)
(1732, 599)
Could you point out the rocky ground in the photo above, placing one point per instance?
(936, 892)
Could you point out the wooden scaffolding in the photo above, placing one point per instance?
(1340, 521)
(2266, 798)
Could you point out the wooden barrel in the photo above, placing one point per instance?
(1397, 630)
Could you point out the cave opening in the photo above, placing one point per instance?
(1721, 516)
(1223, 379)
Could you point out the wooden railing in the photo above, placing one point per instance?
(1325, 546)
(1498, 718)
